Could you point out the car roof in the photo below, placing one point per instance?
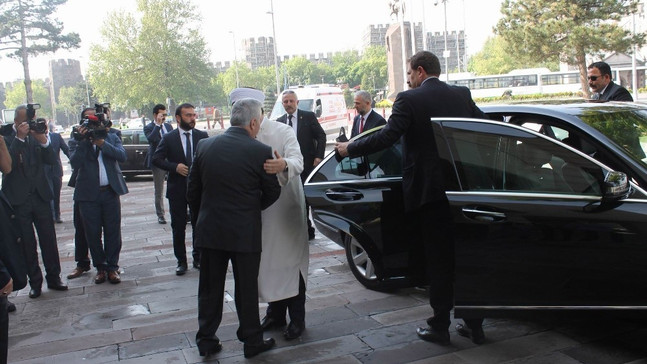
(564, 107)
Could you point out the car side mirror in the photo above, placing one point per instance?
(615, 187)
(318, 111)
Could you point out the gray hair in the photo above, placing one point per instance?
(18, 108)
(244, 110)
(364, 95)
(289, 92)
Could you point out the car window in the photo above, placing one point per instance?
(126, 137)
(141, 137)
(386, 163)
(496, 159)
(346, 169)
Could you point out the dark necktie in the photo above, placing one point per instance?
(290, 120)
(188, 155)
(361, 124)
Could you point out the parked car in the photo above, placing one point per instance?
(538, 223)
(136, 146)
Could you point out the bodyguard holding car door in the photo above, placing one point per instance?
(423, 181)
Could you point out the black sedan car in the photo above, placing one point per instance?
(136, 146)
(548, 202)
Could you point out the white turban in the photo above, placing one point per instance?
(244, 93)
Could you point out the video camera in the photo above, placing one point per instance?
(97, 125)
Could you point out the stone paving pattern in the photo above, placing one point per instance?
(151, 317)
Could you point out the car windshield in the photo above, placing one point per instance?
(628, 129)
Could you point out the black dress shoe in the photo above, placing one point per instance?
(181, 269)
(432, 335)
(477, 335)
(56, 284)
(11, 307)
(207, 347)
(253, 350)
(294, 330)
(196, 265)
(34, 292)
(161, 220)
(311, 233)
(268, 323)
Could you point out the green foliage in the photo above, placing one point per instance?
(157, 55)
(28, 28)
(71, 101)
(372, 69)
(567, 30)
(16, 95)
(384, 103)
(349, 98)
(343, 64)
(497, 57)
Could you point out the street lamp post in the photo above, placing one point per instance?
(233, 36)
(276, 55)
(446, 52)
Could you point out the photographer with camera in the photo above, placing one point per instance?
(95, 157)
(29, 194)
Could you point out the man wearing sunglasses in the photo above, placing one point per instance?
(604, 89)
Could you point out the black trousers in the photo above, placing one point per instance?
(178, 208)
(211, 290)
(4, 330)
(81, 250)
(36, 213)
(296, 305)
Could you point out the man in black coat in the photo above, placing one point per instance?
(154, 132)
(604, 89)
(311, 138)
(54, 173)
(423, 181)
(228, 189)
(366, 118)
(175, 155)
(28, 192)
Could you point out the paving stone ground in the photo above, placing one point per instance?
(151, 317)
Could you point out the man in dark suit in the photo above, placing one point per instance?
(366, 118)
(423, 181)
(54, 173)
(228, 189)
(604, 89)
(98, 185)
(6, 287)
(154, 132)
(28, 192)
(175, 155)
(311, 137)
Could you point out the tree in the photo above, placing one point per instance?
(71, 101)
(147, 59)
(342, 67)
(372, 69)
(567, 30)
(496, 58)
(300, 71)
(16, 95)
(27, 28)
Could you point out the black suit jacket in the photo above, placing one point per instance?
(311, 138)
(229, 187)
(372, 121)
(12, 259)
(27, 170)
(57, 144)
(169, 154)
(423, 179)
(615, 92)
(152, 132)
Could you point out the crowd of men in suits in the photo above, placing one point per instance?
(241, 191)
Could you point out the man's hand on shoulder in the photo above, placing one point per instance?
(275, 165)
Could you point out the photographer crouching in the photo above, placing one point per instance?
(28, 192)
(95, 154)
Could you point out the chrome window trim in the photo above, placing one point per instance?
(560, 196)
(353, 181)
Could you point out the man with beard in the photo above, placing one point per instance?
(175, 155)
(366, 118)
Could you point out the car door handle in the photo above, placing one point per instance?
(343, 195)
(483, 215)
(139, 151)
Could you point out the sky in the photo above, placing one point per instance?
(302, 26)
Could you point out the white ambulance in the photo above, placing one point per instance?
(328, 104)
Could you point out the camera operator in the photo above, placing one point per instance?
(27, 190)
(95, 158)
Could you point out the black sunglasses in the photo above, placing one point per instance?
(593, 78)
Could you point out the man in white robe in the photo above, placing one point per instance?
(285, 255)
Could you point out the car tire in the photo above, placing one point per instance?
(361, 264)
